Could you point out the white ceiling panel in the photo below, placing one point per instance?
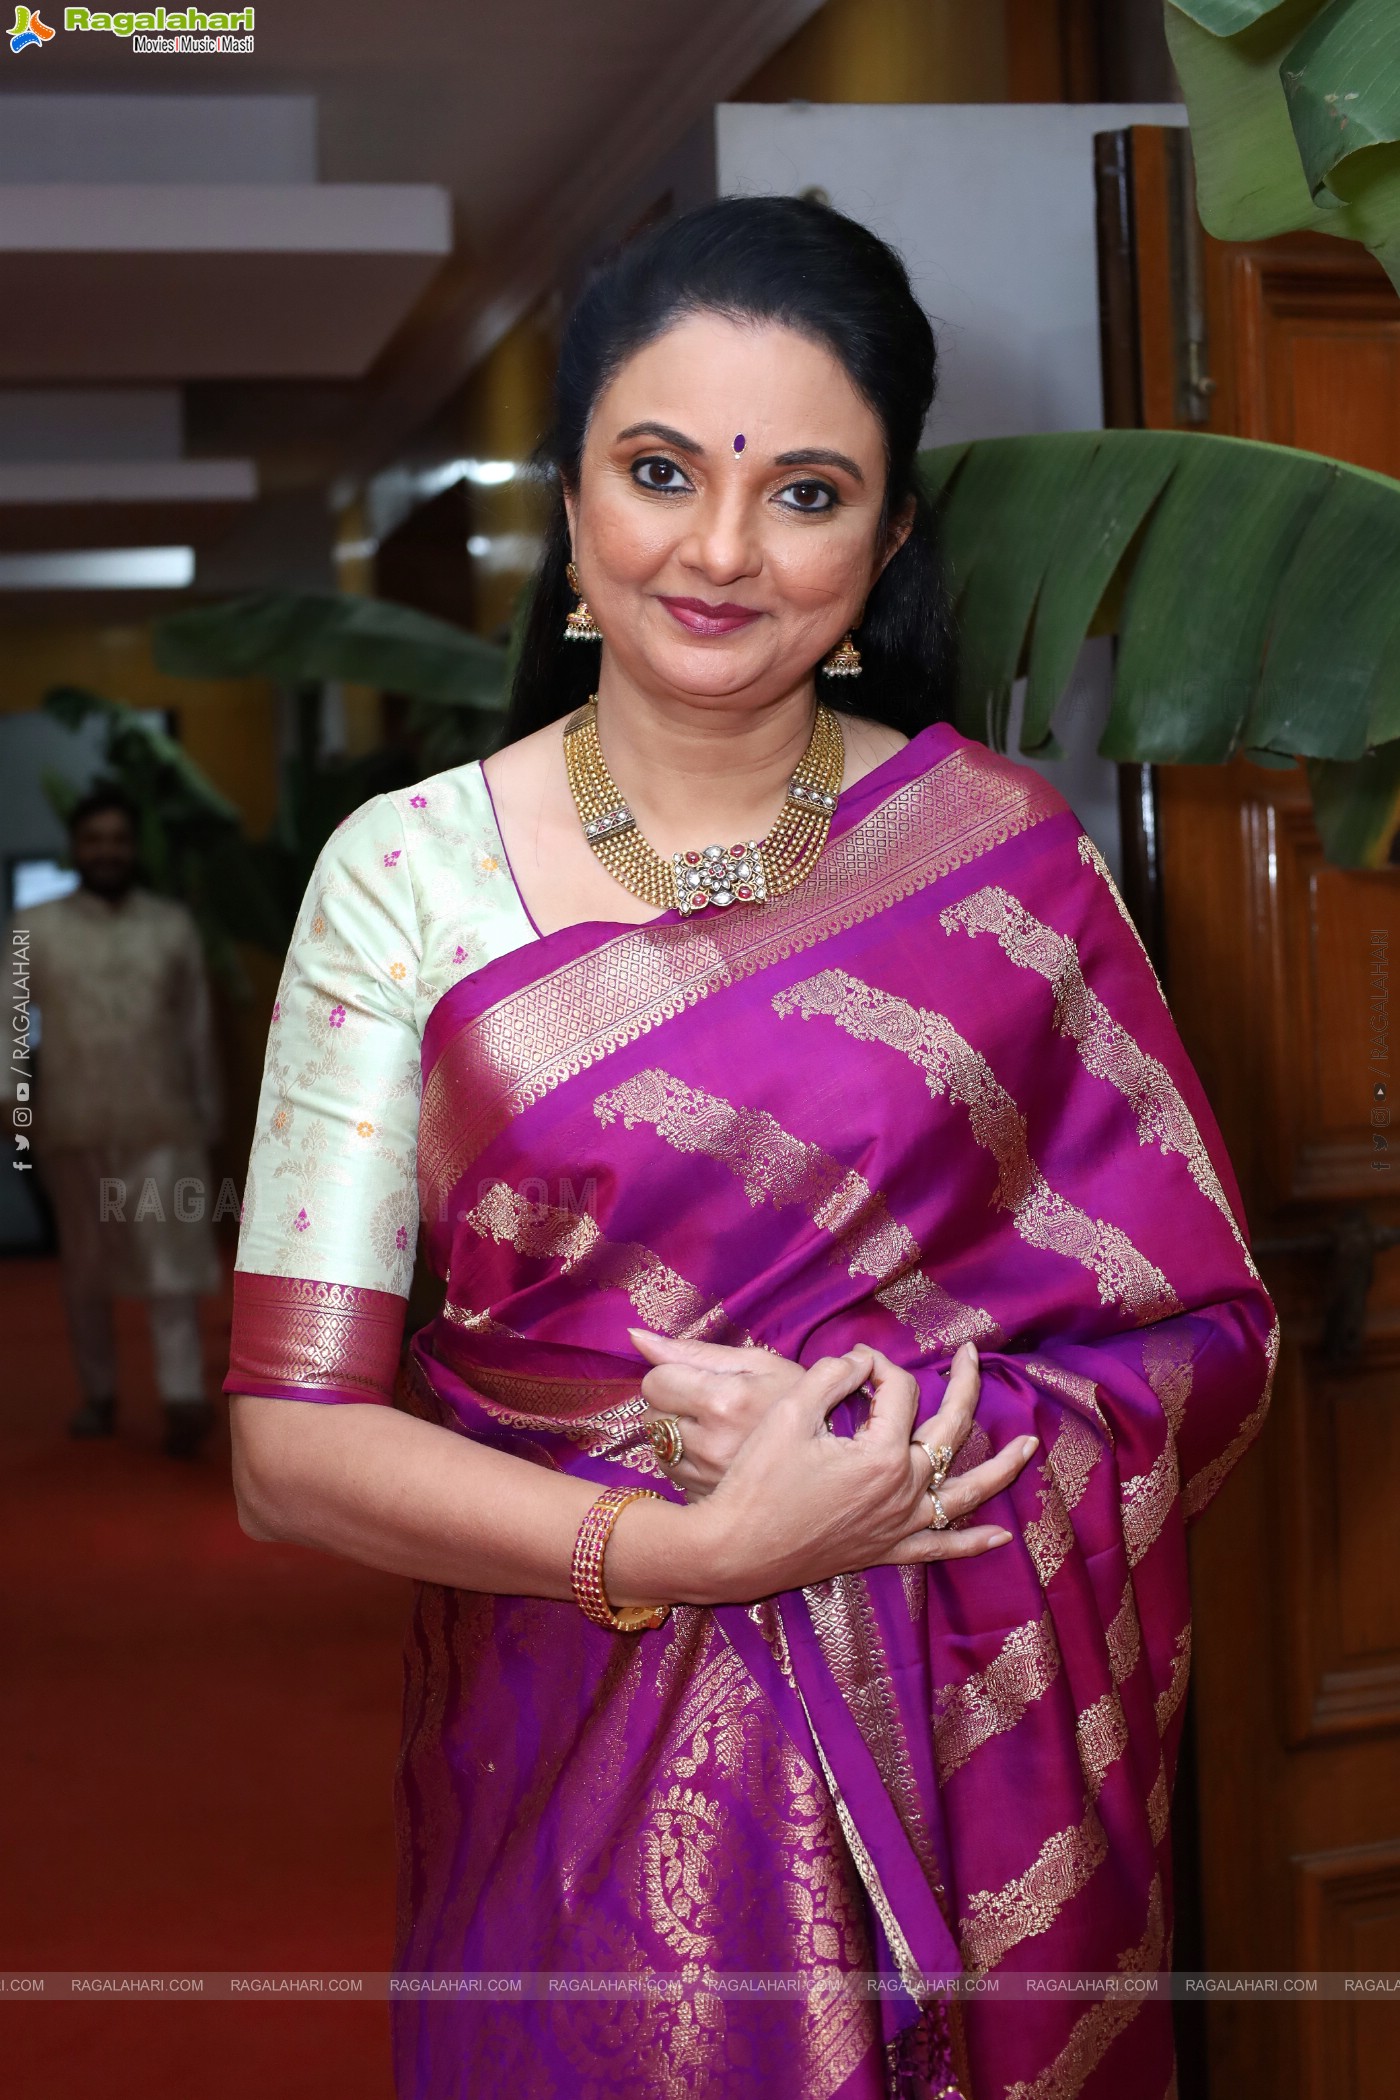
(213, 281)
(54, 505)
(96, 423)
(157, 138)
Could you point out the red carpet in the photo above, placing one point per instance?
(197, 1738)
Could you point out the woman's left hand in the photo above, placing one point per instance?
(717, 1394)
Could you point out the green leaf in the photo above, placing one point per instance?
(1250, 182)
(62, 794)
(306, 636)
(1356, 807)
(136, 746)
(1341, 81)
(1100, 519)
(1225, 17)
(1336, 617)
(1370, 182)
(1252, 588)
(1202, 598)
(999, 535)
(1295, 117)
(938, 467)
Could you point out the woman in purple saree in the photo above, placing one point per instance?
(929, 1096)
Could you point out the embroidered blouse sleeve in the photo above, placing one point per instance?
(330, 1212)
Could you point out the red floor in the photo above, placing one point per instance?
(197, 1737)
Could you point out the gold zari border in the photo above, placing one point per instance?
(327, 1337)
(531, 1042)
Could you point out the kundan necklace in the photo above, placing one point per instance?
(687, 882)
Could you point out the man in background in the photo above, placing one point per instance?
(125, 1105)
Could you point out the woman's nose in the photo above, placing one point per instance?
(723, 540)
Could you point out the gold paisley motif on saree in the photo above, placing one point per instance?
(952, 1067)
(667, 1303)
(670, 1849)
(1167, 1360)
(1092, 858)
(1169, 1700)
(1106, 1048)
(1081, 1392)
(993, 1699)
(1148, 1499)
(1124, 1637)
(996, 1920)
(1101, 2024)
(1202, 1486)
(1159, 1803)
(1065, 1474)
(771, 1165)
(1101, 1736)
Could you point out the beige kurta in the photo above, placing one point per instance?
(126, 1094)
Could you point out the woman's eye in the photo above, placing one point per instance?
(810, 496)
(658, 473)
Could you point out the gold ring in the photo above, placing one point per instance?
(665, 1436)
(940, 1520)
(940, 1457)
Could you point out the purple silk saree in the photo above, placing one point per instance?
(932, 1094)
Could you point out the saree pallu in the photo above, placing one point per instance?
(932, 1094)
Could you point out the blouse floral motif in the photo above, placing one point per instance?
(411, 893)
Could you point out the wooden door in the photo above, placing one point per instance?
(1281, 973)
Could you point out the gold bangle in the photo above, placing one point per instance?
(586, 1572)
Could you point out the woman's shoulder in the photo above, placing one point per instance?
(868, 744)
(448, 810)
(426, 862)
(1007, 777)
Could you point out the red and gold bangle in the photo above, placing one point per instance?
(586, 1573)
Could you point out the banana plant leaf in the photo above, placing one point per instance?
(1295, 117)
(305, 637)
(1254, 591)
(137, 749)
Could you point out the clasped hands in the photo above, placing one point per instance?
(757, 1452)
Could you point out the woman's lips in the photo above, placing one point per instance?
(699, 618)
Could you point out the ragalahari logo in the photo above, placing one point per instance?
(29, 32)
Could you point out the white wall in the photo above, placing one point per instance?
(993, 211)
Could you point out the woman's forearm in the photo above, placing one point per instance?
(392, 1492)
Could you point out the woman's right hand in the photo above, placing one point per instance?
(798, 1504)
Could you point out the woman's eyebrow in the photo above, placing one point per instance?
(665, 433)
(817, 456)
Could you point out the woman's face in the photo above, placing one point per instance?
(721, 573)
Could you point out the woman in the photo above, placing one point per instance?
(804, 1057)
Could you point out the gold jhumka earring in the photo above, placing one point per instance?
(580, 626)
(844, 660)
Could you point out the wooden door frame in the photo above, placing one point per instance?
(1161, 370)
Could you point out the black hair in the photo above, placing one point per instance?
(106, 796)
(797, 262)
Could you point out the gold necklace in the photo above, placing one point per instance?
(688, 882)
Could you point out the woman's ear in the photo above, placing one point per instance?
(570, 511)
(897, 532)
